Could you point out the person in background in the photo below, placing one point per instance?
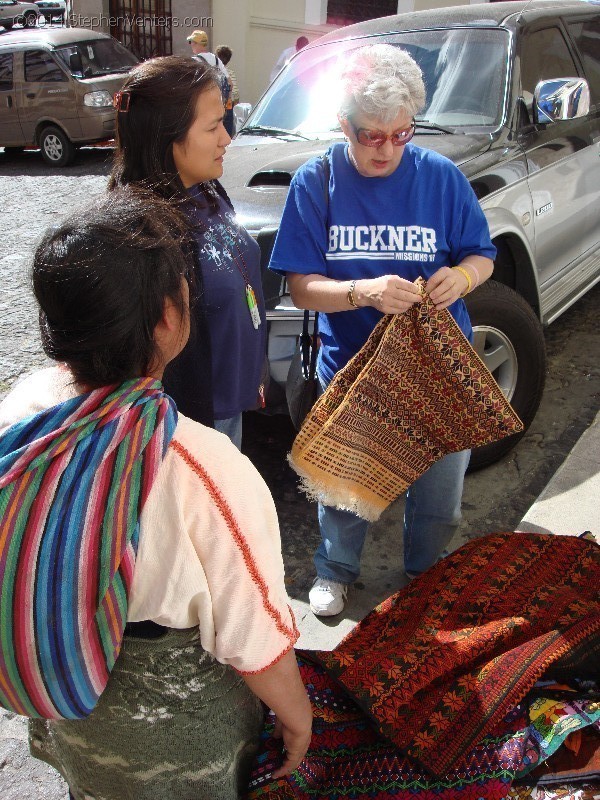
(352, 249)
(148, 518)
(285, 56)
(199, 43)
(224, 53)
(171, 140)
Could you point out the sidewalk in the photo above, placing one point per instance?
(568, 506)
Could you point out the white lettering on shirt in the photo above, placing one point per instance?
(391, 242)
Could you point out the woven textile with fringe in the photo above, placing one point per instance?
(416, 391)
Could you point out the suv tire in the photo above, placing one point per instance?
(57, 149)
(510, 340)
(29, 20)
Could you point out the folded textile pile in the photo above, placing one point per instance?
(348, 758)
(436, 694)
(416, 391)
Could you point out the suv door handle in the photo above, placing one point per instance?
(30, 95)
(9, 101)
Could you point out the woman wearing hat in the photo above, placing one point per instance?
(171, 139)
(199, 43)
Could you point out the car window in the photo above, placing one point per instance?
(587, 38)
(6, 72)
(464, 72)
(41, 67)
(99, 57)
(544, 56)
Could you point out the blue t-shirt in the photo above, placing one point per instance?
(422, 217)
(229, 257)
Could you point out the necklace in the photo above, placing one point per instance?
(243, 270)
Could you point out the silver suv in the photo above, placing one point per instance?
(513, 98)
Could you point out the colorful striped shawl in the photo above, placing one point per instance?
(73, 482)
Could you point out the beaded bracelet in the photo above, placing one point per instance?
(468, 277)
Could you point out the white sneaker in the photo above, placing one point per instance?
(327, 598)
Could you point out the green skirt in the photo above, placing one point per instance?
(172, 724)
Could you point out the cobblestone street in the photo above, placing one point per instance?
(34, 197)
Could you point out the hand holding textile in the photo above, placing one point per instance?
(389, 294)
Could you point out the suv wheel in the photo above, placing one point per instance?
(510, 340)
(57, 149)
(30, 19)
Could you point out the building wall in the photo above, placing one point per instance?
(256, 30)
(189, 15)
(259, 30)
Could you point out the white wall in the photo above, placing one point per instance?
(259, 30)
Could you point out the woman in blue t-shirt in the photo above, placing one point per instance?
(351, 249)
(171, 139)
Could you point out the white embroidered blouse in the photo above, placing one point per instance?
(209, 552)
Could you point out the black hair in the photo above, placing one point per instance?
(224, 53)
(160, 107)
(101, 280)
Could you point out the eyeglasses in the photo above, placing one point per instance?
(378, 138)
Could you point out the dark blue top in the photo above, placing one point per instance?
(229, 257)
(421, 217)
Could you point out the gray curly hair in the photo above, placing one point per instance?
(380, 80)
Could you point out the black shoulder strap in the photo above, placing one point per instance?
(308, 345)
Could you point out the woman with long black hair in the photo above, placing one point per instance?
(171, 140)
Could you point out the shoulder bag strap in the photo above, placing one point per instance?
(308, 344)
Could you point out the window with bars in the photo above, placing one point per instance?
(345, 12)
(143, 26)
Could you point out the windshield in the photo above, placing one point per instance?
(464, 70)
(98, 57)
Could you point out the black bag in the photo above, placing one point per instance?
(302, 385)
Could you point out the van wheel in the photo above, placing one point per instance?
(30, 20)
(510, 340)
(57, 149)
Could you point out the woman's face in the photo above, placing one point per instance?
(199, 157)
(375, 162)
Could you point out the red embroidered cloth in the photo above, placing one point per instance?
(439, 664)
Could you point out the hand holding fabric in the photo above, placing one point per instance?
(446, 286)
(389, 294)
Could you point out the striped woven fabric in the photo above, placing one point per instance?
(73, 482)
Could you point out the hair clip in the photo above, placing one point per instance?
(122, 101)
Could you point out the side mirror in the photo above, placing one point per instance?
(241, 112)
(561, 98)
(75, 64)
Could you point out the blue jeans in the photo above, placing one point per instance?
(431, 517)
(231, 427)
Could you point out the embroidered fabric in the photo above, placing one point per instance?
(416, 391)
